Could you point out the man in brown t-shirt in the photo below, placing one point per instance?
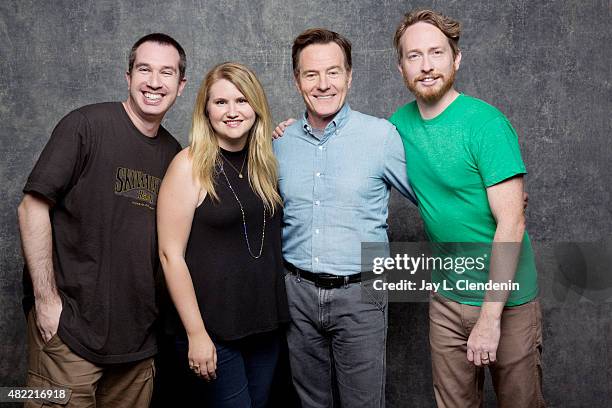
(87, 223)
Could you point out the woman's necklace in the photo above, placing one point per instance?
(246, 235)
(234, 167)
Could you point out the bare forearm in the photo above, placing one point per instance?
(35, 227)
(183, 295)
(36, 241)
(484, 338)
(505, 201)
(505, 255)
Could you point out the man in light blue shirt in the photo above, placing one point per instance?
(336, 168)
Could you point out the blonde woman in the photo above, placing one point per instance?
(219, 219)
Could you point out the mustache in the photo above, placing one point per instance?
(434, 75)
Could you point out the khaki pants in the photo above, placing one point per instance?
(517, 374)
(53, 364)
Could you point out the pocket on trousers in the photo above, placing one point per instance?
(375, 297)
(56, 349)
(61, 396)
(538, 345)
(53, 342)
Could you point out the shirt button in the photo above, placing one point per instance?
(318, 174)
(317, 231)
(316, 259)
(320, 147)
(317, 202)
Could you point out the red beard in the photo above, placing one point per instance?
(433, 94)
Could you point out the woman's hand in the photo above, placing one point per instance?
(202, 356)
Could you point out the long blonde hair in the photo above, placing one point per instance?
(204, 147)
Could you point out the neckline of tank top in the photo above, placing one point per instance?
(239, 153)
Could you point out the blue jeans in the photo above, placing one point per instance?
(337, 334)
(245, 370)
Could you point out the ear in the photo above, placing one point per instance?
(457, 60)
(128, 78)
(400, 69)
(181, 86)
(296, 82)
(349, 79)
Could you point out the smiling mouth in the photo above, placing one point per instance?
(152, 96)
(324, 97)
(428, 79)
(233, 122)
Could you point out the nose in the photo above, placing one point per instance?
(426, 65)
(231, 110)
(154, 81)
(323, 83)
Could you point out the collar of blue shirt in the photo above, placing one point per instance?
(336, 123)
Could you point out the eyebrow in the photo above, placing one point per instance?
(437, 47)
(326, 69)
(144, 64)
(222, 98)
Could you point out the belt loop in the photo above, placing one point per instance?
(346, 282)
(297, 275)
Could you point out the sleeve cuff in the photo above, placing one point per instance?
(498, 178)
(40, 190)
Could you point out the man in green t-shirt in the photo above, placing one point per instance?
(467, 173)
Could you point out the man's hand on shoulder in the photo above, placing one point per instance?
(280, 128)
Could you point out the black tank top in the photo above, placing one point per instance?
(238, 295)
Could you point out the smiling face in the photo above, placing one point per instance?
(230, 115)
(427, 63)
(323, 80)
(153, 83)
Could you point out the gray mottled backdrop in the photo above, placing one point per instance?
(546, 64)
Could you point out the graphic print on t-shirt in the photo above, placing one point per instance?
(138, 185)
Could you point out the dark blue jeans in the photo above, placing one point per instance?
(245, 370)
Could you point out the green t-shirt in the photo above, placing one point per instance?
(451, 160)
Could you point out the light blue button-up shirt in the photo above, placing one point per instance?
(336, 189)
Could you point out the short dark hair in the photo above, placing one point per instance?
(450, 27)
(163, 39)
(319, 36)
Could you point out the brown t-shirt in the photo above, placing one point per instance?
(103, 176)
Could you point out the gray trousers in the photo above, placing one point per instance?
(342, 331)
